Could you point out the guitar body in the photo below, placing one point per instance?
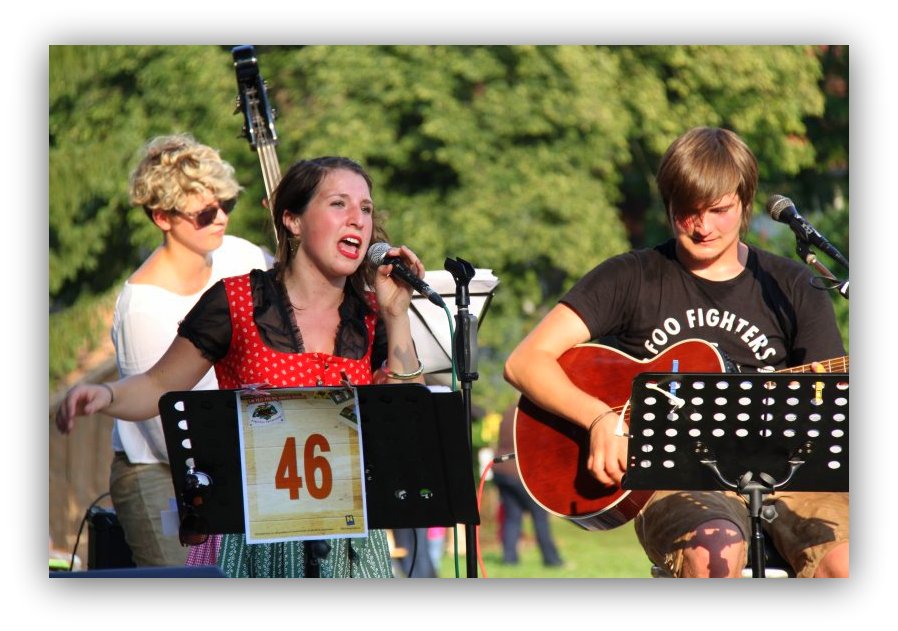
(551, 452)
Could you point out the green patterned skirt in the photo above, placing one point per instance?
(348, 558)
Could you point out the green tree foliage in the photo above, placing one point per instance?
(505, 157)
(763, 93)
(105, 103)
(534, 161)
(820, 189)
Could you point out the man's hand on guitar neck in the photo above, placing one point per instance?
(607, 451)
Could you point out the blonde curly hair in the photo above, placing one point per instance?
(176, 166)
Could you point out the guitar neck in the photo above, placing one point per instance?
(838, 364)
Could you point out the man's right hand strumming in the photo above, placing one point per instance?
(607, 451)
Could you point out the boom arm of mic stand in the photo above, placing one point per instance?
(803, 250)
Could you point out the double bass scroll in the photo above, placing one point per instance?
(258, 117)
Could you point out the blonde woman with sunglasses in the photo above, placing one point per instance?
(187, 191)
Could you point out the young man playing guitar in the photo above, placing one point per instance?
(760, 312)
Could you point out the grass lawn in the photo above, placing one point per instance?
(612, 553)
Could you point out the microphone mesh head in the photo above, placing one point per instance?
(776, 204)
(377, 252)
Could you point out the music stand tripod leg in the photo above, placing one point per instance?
(755, 493)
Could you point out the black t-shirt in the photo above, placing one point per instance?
(208, 325)
(768, 317)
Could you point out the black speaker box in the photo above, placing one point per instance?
(106, 543)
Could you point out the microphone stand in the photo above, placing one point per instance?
(465, 345)
(803, 249)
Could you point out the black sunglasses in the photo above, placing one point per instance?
(194, 529)
(207, 215)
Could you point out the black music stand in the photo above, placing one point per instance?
(414, 443)
(750, 433)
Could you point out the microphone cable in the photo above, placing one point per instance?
(81, 528)
(483, 476)
(452, 361)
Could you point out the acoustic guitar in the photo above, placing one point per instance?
(551, 452)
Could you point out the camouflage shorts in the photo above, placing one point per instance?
(808, 525)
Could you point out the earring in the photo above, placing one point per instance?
(293, 242)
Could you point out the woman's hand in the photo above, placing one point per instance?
(394, 297)
(82, 400)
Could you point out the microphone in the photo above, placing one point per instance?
(783, 210)
(377, 256)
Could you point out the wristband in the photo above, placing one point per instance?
(111, 393)
(402, 376)
(599, 418)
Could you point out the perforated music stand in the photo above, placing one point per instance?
(750, 433)
(414, 448)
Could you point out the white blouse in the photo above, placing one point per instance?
(144, 325)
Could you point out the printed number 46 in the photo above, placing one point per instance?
(287, 474)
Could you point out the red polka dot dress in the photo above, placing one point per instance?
(250, 361)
